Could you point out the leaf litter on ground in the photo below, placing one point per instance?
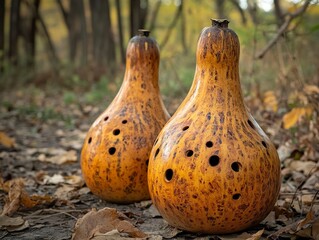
(54, 189)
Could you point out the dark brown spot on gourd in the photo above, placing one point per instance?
(124, 121)
(221, 117)
(208, 116)
(90, 140)
(106, 118)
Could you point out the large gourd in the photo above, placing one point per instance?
(212, 168)
(115, 154)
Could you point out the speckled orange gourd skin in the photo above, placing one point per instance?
(221, 174)
(116, 150)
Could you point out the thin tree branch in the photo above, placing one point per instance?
(65, 14)
(283, 28)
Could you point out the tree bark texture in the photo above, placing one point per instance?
(2, 7)
(14, 31)
(103, 41)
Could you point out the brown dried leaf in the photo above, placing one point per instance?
(13, 224)
(6, 221)
(103, 221)
(66, 157)
(18, 197)
(243, 236)
(307, 227)
(12, 202)
(6, 141)
(291, 118)
(311, 89)
(270, 101)
(303, 166)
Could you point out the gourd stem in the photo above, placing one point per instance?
(221, 23)
(144, 32)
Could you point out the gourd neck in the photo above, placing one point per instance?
(219, 87)
(142, 61)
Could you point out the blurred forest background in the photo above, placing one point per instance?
(80, 44)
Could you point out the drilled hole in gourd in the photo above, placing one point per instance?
(264, 144)
(90, 140)
(209, 144)
(106, 118)
(251, 124)
(236, 196)
(156, 153)
(124, 121)
(189, 153)
(236, 166)
(185, 128)
(116, 132)
(214, 160)
(168, 174)
(112, 150)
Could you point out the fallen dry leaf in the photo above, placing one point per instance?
(6, 141)
(64, 192)
(103, 221)
(307, 227)
(311, 89)
(270, 101)
(291, 118)
(303, 166)
(243, 236)
(13, 224)
(66, 157)
(18, 197)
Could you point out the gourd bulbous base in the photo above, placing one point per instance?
(115, 153)
(212, 169)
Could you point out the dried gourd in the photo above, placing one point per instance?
(212, 168)
(115, 153)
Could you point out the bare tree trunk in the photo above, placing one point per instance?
(278, 13)
(240, 10)
(120, 29)
(103, 42)
(51, 53)
(14, 31)
(77, 30)
(138, 13)
(253, 10)
(220, 8)
(2, 7)
(31, 36)
(154, 15)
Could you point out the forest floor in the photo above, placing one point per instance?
(42, 194)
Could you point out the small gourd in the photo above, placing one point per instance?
(212, 168)
(115, 153)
